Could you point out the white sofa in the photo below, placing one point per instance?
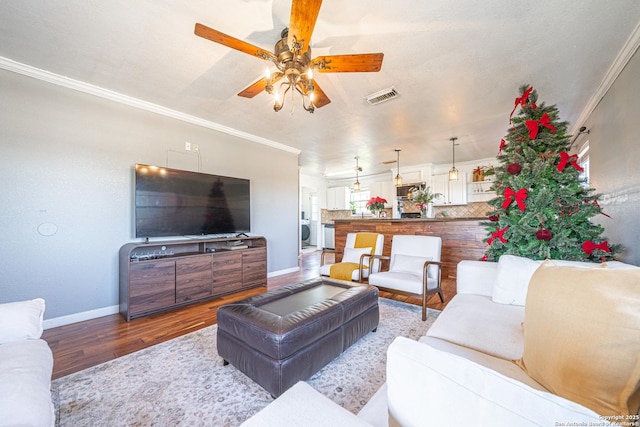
(26, 364)
(460, 373)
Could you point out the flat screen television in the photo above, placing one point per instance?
(172, 202)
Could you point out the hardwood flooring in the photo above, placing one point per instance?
(84, 344)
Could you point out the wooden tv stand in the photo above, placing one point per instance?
(159, 276)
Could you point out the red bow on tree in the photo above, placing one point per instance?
(498, 234)
(588, 246)
(502, 144)
(520, 197)
(572, 160)
(522, 101)
(534, 125)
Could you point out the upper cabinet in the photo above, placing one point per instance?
(384, 189)
(453, 192)
(338, 198)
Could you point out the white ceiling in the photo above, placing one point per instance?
(456, 64)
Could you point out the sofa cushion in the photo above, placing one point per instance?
(581, 335)
(475, 321)
(512, 279)
(21, 320)
(426, 386)
(25, 383)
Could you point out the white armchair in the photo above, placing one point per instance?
(358, 246)
(414, 268)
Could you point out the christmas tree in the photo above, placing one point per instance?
(543, 206)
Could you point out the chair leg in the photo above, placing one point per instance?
(424, 312)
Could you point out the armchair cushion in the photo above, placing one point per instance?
(512, 279)
(581, 332)
(409, 264)
(353, 254)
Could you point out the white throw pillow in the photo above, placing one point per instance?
(409, 264)
(512, 279)
(21, 320)
(353, 254)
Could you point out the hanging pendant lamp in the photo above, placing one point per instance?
(356, 185)
(398, 179)
(453, 173)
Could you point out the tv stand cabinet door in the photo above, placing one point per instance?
(152, 286)
(254, 267)
(227, 272)
(193, 278)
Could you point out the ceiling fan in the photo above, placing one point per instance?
(292, 58)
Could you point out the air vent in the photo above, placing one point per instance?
(382, 96)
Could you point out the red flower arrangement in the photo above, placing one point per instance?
(376, 203)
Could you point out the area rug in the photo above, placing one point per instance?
(183, 382)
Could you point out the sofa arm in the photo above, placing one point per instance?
(427, 386)
(476, 277)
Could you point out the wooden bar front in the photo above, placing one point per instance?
(461, 238)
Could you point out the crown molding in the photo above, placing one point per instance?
(49, 77)
(623, 58)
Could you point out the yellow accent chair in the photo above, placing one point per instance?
(359, 247)
(414, 268)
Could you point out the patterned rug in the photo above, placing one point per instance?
(182, 382)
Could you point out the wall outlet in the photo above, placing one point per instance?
(187, 146)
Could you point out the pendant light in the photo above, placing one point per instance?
(453, 173)
(356, 185)
(398, 179)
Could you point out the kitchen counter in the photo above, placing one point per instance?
(462, 238)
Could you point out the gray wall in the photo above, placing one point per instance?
(615, 159)
(66, 166)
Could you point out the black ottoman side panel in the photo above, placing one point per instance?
(277, 376)
(360, 326)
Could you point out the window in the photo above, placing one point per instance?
(360, 199)
(583, 161)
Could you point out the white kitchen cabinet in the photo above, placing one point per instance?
(453, 192)
(338, 198)
(384, 189)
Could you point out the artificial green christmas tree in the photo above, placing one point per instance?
(543, 208)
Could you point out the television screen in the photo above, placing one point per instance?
(171, 202)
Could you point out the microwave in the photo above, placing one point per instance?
(403, 192)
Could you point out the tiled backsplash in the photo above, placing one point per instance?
(471, 210)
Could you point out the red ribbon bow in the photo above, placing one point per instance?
(502, 144)
(498, 234)
(572, 160)
(520, 197)
(522, 101)
(588, 246)
(534, 125)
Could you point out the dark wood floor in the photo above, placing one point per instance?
(84, 344)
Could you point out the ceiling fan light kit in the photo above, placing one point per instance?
(292, 58)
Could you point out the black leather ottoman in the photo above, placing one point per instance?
(286, 335)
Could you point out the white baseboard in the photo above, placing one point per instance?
(285, 271)
(79, 317)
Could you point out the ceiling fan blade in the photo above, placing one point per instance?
(232, 42)
(320, 99)
(304, 14)
(257, 87)
(365, 62)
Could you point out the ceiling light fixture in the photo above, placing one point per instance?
(453, 173)
(356, 185)
(297, 73)
(398, 179)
